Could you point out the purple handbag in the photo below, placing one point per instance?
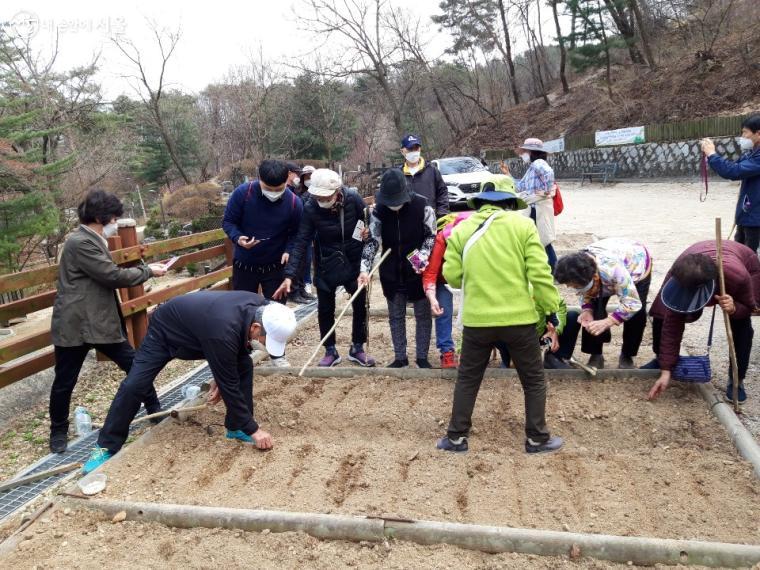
(696, 369)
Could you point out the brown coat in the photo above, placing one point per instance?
(86, 309)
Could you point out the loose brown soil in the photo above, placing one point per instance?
(366, 446)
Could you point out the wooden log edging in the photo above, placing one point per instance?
(740, 436)
(492, 539)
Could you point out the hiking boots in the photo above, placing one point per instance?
(330, 359)
(553, 362)
(653, 364)
(59, 440)
(730, 393)
(458, 445)
(625, 362)
(360, 357)
(551, 445)
(449, 359)
(597, 361)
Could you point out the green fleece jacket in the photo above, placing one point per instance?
(499, 269)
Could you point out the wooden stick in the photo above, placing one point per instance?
(37, 476)
(726, 318)
(173, 413)
(343, 312)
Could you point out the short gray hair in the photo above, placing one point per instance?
(258, 317)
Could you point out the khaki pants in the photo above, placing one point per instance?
(477, 343)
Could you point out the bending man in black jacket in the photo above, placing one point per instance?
(334, 216)
(217, 326)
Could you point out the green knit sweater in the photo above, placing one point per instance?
(499, 269)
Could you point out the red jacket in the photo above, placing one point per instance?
(742, 271)
(433, 273)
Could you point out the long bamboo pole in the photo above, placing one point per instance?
(343, 312)
(726, 318)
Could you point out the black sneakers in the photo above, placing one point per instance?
(399, 363)
(58, 441)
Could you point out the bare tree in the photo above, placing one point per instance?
(562, 49)
(408, 35)
(373, 51)
(151, 92)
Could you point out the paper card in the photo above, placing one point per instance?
(357, 235)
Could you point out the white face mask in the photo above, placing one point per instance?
(272, 196)
(746, 144)
(329, 204)
(110, 229)
(413, 156)
(525, 157)
(587, 288)
(307, 183)
(395, 208)
(296, 181)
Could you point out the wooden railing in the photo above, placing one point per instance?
(135, 302)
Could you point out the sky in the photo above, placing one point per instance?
(215, 36)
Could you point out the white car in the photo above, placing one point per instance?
(463, 176)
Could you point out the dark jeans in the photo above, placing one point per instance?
(633, 328)
(250, 277)
(326, 314)
(68, 363)
(741, 329)
(150, 359)
(749, 236)
(567, 340)
(477, 343)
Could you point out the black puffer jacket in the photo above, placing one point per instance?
(323, 226)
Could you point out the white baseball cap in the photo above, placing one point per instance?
(279, 323)
(324, 182)
(308, 169)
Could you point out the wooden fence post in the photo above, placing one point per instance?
(139, 321)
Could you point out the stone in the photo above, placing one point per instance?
(121, 516)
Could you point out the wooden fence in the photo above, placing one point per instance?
(135, 303)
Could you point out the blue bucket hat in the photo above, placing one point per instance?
(686, 300)
(497, 188)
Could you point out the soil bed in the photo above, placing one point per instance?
(366, 446)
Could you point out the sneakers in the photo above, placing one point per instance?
(553, 444)
(653, 364)
(458, 445)
(423, 363)
(239, 435)
(330, 359)
(730, 393)
(553, 362)
(97, 458)
(308, 290)
(298, 298)
(280, 362)
(59, 440)
(399, 363)
(449, 359)
(597, 361)
(360, 357)
(625, 362)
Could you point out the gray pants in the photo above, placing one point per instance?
(397, 321)
(477, 343)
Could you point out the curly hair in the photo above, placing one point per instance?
(577, 268)
(99, 207)
(694, 270)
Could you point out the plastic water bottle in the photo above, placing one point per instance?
(190, 392)
(82, 421)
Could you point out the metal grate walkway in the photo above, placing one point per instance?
(79, 449)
